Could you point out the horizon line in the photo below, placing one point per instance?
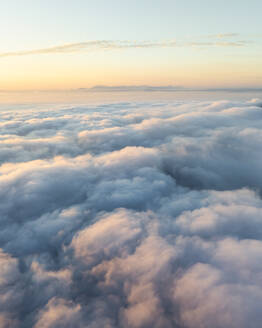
(140, 88)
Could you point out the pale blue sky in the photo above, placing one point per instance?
(38, 24)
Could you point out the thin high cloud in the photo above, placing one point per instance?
(224, 35)
(120, 45)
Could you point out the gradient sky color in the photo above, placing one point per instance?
(46, 44)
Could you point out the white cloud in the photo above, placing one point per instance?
(131, 215)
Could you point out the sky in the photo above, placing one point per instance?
(62, 44)
(137, 209)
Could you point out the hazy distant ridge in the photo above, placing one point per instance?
(167, 88)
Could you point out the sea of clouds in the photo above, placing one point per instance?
(131, 215)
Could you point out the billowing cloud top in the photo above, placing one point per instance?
(131, 215)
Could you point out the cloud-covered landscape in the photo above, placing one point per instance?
(131, 214)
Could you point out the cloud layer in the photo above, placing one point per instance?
(131, 215)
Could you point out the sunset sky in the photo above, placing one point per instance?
(130, 163)
(64, 44)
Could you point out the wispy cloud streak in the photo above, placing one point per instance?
(118, 45)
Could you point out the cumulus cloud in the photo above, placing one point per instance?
(58, 313)
(131, 215)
